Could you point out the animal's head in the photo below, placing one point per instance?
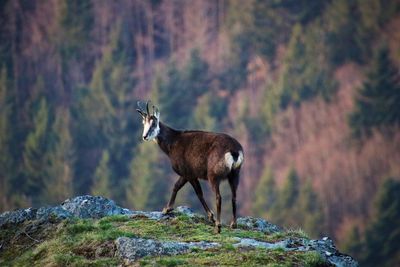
(151, 127)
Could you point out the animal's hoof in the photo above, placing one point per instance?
(167, 210)
(211, 217)
(217, 229)
(233, 225)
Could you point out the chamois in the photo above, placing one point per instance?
(197, 155)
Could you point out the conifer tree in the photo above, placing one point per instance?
(102, 177)
(378, 102)
(353, 243)
(147, 187)
(266, 193)
(5, 139)
(105, 114)
(309, 214)
(305, 73)
(342, 38)
(285, 210)
(290, 190)
(60, 158)
(179, 92)
(382, 238)
(34, 155)
(202, 118)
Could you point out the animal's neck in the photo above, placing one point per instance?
(166, 138)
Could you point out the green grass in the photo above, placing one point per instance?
(91, 243)
(223, 257)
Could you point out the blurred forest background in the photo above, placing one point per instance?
(310, 88)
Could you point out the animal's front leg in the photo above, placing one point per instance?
(178, 185)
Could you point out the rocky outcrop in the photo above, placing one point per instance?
(81, 207)
(92, 207)
(325, 247)
(130, 249)
(85, 207)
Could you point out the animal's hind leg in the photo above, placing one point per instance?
(197, 188)
(178, 185)
(233, 180)
(215, 187)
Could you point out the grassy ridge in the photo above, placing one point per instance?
(90, 242)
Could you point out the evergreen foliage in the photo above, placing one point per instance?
(5, 139)
(102, 177)
(104, 118)
(60, 158)
(265, 196)
(147, 187)
(35, 161)
(294, 205)
(305, 73)
(382, 238)
(378, 102)
(202, 117)
(76, 20)
(178, 94)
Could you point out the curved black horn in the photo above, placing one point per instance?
(147, 107)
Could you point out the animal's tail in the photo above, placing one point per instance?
(234, 159)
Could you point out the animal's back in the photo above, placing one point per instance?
(196, 149)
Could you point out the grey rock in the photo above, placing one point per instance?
(158, 215)
(186, 211)
(93, 207)
(152, 215)
(81, 207)
(325, 247)
(258, 224)
(17, 216)
(132, 249)
(252, 243)
(56, 213)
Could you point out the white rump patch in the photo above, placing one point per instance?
(231, 163)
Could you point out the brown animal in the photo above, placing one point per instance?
(197, 155)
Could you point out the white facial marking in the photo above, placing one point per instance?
(149, 132)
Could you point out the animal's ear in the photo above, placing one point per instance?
(141, 113)
(156, 112)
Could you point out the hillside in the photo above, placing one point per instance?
(311, 89)
(94, 231)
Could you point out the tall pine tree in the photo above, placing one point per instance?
(102, 176)
(35, 170)
(148, 186)
(378, 102)
(382, 238)
(5, 139)
(265, 196)
(60, 161)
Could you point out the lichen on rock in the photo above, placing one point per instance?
(132, 249)
(258, 224)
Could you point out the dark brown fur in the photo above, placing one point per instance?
(201, 155)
